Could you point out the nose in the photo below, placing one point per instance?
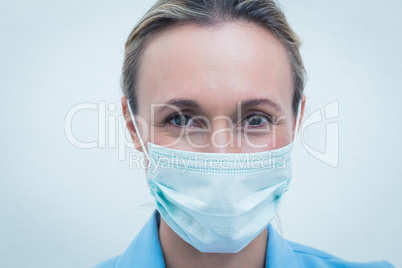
(222, 137)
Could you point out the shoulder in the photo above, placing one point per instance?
(143, 251)
(111, 263)
(311, 257)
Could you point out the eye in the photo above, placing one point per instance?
(180, 120)
(257, 120)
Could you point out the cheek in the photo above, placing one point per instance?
(278, 136)
(283, 136)
(162, 135)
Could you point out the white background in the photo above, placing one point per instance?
(62, 206)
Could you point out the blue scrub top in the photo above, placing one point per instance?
(145, 252)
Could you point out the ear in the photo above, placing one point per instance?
(303, 104)
(129, 124)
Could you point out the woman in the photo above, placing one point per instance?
(216, 88)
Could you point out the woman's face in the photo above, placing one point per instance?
(219, 90)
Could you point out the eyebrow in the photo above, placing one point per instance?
(179, 103)
(255, 102)
(182, 103)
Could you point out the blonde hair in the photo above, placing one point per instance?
(166, 13)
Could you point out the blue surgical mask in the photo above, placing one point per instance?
(218, 202)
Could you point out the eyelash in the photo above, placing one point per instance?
(266, 116)
(173, 116)
(269, 118)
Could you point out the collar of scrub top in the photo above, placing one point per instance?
(145, 249)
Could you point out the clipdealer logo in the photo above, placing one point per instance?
(112, 132)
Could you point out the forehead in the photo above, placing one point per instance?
(227, 63)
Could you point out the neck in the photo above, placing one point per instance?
(177, 253)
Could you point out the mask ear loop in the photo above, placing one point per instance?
(297, 127)
(152, 204)
(136, 130)
(277, 218)
(294, 139)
